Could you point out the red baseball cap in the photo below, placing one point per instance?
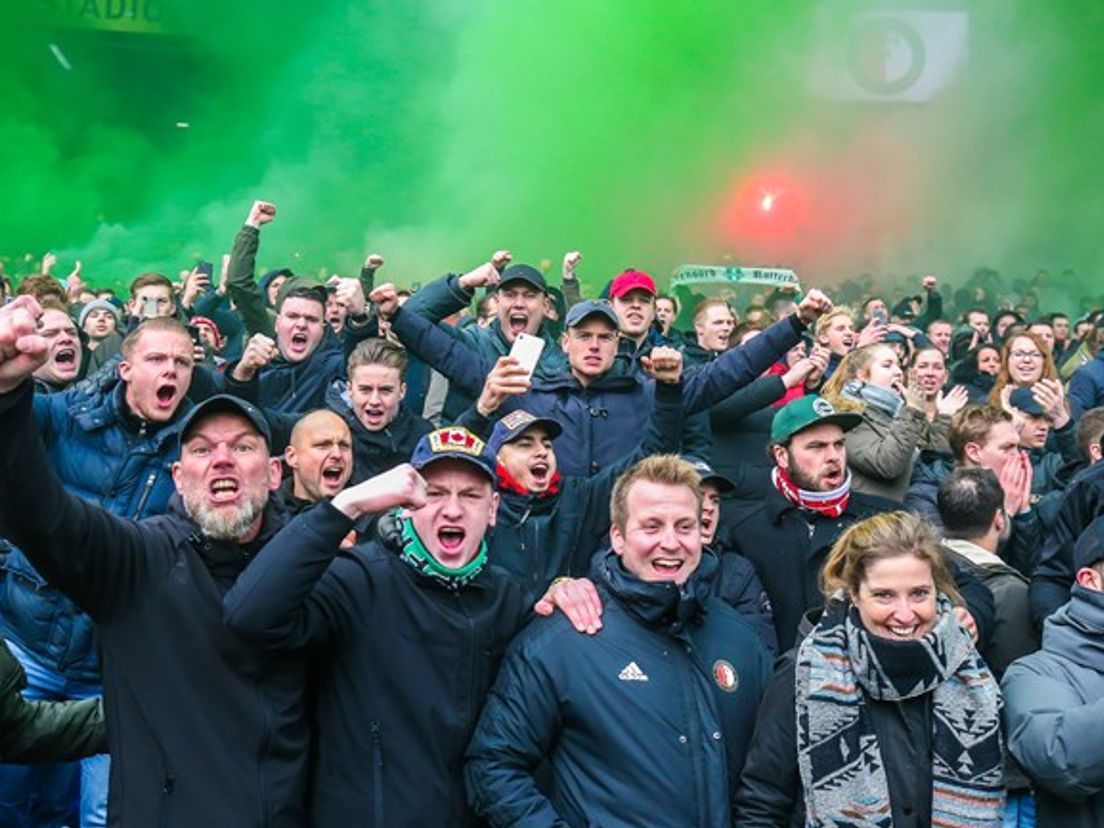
(631, 280)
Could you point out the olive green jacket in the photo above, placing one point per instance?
(42, 731)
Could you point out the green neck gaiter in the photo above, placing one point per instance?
(417, 556)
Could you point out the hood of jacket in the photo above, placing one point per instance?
(1076, 631)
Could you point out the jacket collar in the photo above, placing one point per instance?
(1076, 631)
(225, 560)
(662, 606)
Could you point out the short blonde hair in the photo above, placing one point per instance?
(665, 469)
(826, 320)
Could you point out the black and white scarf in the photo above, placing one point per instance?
(844, 782)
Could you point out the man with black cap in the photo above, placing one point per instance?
(522, 292)
(205, 729)
(788, 533)
(408, 631)
(603, 412)
(1054, 699)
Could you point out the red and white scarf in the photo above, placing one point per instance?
(830, 504)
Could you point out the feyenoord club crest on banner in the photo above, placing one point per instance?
(892, 56)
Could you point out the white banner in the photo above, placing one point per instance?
(712, 274)
(892, 56)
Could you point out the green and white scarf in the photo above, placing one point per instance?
(415, 554)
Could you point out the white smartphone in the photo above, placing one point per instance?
(527, 350)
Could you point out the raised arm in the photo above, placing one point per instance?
(461, 364)
(706, 385)
(241, 284)
(294, 593)
(96, 559)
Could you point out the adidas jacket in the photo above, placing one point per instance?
(645, 723)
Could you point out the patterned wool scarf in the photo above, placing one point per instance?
(830, 504)
(839, 665)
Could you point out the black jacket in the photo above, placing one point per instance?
(404, 665)
(44, 731)
(375, 452)
(789, 546)
(770, 793)
(206, 730)
(1082, 502)
(645, 723)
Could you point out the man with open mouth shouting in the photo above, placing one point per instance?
(206, 729)
(113, 446)
(309, 356)
(549, 525)
(521, 292)
(407, 630)
(63, 365)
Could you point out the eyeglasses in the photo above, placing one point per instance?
(1029, 355)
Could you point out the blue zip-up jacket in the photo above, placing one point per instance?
(607, 419)
(538, 538)
(1086, 387)
(442, 298)
(647, 722)
(101, 458)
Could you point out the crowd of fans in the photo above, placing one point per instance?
(499, 552)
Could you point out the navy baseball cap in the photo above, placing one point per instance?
(581, 311)
(708, 475)
(1025, 401)
(514, 424)
(523, 273)
(225, 404)
(453, 443)
(1089, 547)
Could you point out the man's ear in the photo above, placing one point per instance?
(494, 510)
(972, 451)
(781, 456)
(617, 539)
(291, 457)
(275, 473)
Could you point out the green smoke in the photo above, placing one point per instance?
(436, 133)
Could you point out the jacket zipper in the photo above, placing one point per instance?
(145, 495)
(167, 785)
(377, 776)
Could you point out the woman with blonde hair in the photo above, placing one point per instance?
(885, 715)
(881, 450)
